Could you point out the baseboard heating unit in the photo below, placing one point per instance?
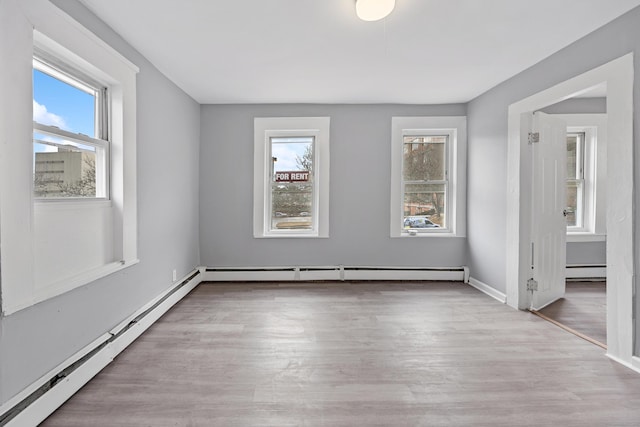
(338, 273)
(586, 272)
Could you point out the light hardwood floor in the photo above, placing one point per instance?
(354, 354)
(583, 309)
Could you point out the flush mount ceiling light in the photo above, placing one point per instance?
(374, 10)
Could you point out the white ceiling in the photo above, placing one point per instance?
(318, 51)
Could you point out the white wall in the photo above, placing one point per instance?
(359, 191)
(36, 339)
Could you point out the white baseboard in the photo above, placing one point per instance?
(489, 290)
(98, 354)
(634, 365)
(227, 274)
(586, 271)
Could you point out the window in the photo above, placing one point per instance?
(427, 189)
(292, 190)
(586, 176)
(70, 132)
(424, 181)
(291, 177)
(575, 180)
(69, 225)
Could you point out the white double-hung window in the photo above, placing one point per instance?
(70, 132)
(427, 180)
(586, 176)
(291, 181)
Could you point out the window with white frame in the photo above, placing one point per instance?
(586, 176)
(291, 182)
(427, 188)
(70, 132)
(72, 193)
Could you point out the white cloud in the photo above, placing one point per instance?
(287, 155)
(42, 116)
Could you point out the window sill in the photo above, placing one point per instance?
(291, 236)
(71, 204)
(446, 234)
(585, 237)
(60, 287)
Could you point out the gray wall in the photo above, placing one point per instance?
(359, 191)
(578, 106)
(487, 126)
(37, 339)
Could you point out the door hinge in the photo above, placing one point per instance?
(534, 137)
(532, 285)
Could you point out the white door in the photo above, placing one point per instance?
(549, 225)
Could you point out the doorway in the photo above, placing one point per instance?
(618, 76)
(582, 309)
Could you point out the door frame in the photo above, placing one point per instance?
(618, 77)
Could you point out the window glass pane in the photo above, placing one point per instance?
(572, 203)
(292, 183)
(424, 158)
(572, 156)
(426, 201)
(56, 103)
(63, 168)
(575, 175)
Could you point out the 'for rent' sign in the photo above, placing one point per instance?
(292, 176)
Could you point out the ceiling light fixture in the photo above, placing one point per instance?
(374, 10)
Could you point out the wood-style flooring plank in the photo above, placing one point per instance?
(583, 309)
(354, 354)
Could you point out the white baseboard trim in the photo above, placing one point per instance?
(489, 290)
(634, 365)
(586, 271)
(343, 273)
(34, 404)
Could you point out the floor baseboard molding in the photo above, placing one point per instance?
(338, 273)
(43, 397)
(489, 290)
(634, 365)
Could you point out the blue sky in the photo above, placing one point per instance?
(58, 104)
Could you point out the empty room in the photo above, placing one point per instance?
(323, 213)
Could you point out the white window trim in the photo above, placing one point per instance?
(594, 127)
(456, 128)
(266, 128)
(57, 33)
